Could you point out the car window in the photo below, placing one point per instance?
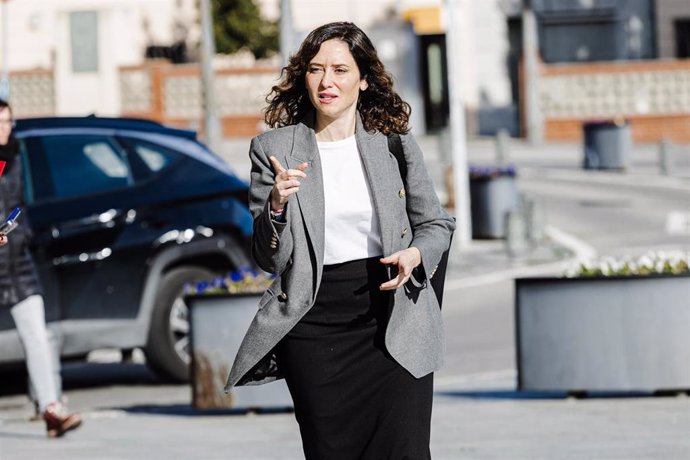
(153, 159)
(82, 165)
(148, 158)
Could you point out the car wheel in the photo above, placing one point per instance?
(167, 350)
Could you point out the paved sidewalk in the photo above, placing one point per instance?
(476, 416)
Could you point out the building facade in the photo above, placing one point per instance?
(612, 60)
(65, 55)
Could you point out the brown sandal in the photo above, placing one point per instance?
(58, 421)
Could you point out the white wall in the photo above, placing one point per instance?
(31, 34)
(83, 93)
(491, 51)
(39, 37)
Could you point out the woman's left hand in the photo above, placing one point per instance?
(3, 239)
(405, 261)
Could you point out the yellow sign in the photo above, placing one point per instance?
(425, 20)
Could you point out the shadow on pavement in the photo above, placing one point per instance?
(85, 374)
(19, 435)
(186, 410)
(534, 395)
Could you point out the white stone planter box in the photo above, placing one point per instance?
(603, 334)
(218, 324)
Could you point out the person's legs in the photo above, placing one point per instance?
(55, 342)
(29, 317)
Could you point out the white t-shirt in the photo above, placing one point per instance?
(352, 229)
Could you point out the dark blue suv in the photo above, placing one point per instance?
(124, 213)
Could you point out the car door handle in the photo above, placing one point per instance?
(106, 219)
(73, 259)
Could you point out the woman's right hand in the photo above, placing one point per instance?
(286, 183)
(3, 240)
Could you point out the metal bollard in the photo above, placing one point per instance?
(516, 233)
(444, 146)
(535, 223)
(665, 157)
(502, 153)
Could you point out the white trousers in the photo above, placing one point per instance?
(29, 317)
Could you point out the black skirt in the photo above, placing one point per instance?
(352, 400)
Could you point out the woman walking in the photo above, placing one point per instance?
(20, 289)
(350, 322)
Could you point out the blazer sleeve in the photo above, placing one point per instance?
(432, 226)
(271, 240)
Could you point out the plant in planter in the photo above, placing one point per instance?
(245, 280)
(491, 172)
(612, 325)
(652, 263)
(221, 311)
(493, 193)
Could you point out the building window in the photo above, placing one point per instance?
(682, 27)
(84, 41)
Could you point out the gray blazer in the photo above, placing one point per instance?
(408, 216)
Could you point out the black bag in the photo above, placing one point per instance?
(439, 278)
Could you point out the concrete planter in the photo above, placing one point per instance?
(491, 199)
(218, 324)
(603, 334)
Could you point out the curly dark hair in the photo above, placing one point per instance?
(381, 108)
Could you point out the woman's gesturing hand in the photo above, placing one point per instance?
(405, 261)
(286, 183)
(3, 239)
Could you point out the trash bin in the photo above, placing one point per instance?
(218, 324)
(493, 194)
(607, 144)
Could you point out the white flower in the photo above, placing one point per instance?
(651, 262)
(659, 266)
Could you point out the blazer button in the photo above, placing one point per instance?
(404, 232)
(282, 297)
(401, 193)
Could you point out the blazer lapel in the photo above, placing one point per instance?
(310, 197)
(373, 148)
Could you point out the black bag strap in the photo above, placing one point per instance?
(396, 148)
(439, 278)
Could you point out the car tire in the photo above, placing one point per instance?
(167, 349)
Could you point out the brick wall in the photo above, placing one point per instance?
(654, 96)
(171, 94)
(32, 93)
